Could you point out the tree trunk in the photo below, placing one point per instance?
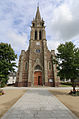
(73, 85)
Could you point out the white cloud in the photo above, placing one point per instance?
(52, 44)
(61, 19)
(75, 40)
(18, 41)
(65, 21)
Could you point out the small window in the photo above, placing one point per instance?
(26, 67)
(38, 50)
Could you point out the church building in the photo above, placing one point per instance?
(36, 66)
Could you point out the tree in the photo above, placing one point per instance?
(68, 62)
(7, 58)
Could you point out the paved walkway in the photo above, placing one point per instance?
(39, 104)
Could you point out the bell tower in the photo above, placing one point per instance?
(37, 28)
(37, 48)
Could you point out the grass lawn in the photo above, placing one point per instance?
(72, 102)
(63, 85)
(9, 98)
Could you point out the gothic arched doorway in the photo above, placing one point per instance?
(38, 75)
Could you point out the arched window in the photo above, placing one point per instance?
(35, 35)
(40, 35)
(38, 67)
(26, 67)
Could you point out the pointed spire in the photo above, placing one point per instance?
(38, 17)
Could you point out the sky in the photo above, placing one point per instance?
(61, 20)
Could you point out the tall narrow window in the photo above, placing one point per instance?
(35, 35)
(49, 66)
(42, 24)
(40, 35)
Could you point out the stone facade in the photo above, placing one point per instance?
(35, 65)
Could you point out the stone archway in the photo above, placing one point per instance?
(37, 78)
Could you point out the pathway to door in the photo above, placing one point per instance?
(39, 104)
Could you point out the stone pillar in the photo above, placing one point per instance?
(43, 34)
(45, 62)
(56, 78)
(32, 35)
(20, 70)
(30, 65)
(30, 72)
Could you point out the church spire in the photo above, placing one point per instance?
(38, 17)
(37, 21)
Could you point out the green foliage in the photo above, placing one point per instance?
(68, 61)
(1, 92)
(7, 56)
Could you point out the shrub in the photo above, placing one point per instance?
(1, 92)
(76, 93)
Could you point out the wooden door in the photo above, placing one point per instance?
(37, 78)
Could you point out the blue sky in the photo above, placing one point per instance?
(61, 20)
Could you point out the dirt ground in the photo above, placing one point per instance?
(72, 102)
(9, 98)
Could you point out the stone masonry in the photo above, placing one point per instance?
(35, 65)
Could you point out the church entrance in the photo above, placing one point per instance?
(37, 78)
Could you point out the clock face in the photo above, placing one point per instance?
(37, 43)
